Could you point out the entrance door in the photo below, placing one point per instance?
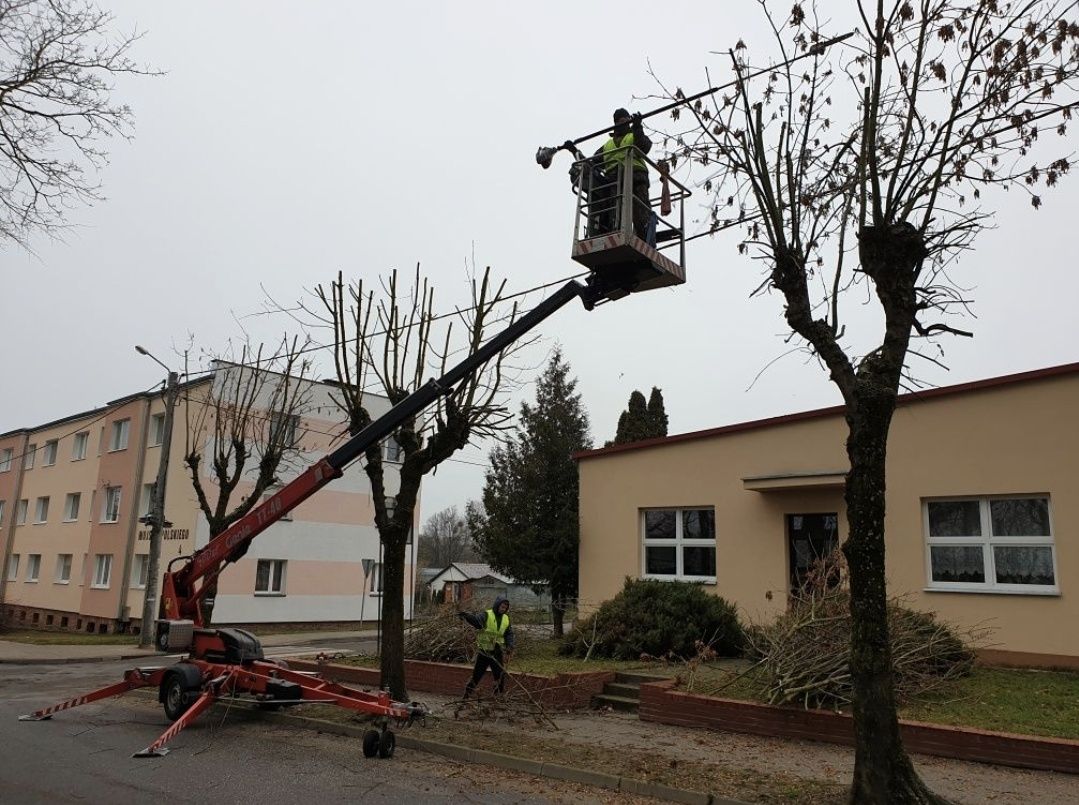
(811, 537)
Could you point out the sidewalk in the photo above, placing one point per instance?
(15, 653)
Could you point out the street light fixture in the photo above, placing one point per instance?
(156, 518)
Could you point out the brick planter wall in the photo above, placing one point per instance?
(662, 704)
(564, 691)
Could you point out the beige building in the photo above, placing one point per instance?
(74, 554)
(982, 509)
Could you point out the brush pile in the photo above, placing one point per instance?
(443, 637)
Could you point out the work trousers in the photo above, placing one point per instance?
(483, 662)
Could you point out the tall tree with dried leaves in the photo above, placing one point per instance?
(864, 166)
(528, 527)
(58, 61)
(243, 427)
(385, 344)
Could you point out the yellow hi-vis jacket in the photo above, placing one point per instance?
(494, 633)
(614, 154)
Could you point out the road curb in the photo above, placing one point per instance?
(76, 660)
(510, 762)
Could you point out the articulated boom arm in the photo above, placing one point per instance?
(181, 600)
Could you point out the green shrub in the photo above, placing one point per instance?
(658, 619)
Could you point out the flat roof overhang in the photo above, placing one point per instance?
(829, 479)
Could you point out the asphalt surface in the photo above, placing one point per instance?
(84, 755)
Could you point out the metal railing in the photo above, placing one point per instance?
(604, 207)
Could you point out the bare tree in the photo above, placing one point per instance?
(445, 539)
(384, 344)
(57, 61)
(243, 430)
(861, 167)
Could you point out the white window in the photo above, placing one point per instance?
(110, 513)
(41, 511)
(3, 504)
(140, 570)
(118, 440)
(392, 451)
(63, 568)
(28, 456)
(71, 506)
(269, 493)
(20, 511)
(49, 456)
(5, 459)
(146, 501)
(157, 429)
(990, 544)
(102, 570)
(376, 578)
(33, 566)
(270, 577)
(679, 544)
(283, 429)
(13, 567)
(78, 447)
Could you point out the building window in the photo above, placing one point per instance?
(269, 493)
(28, 456)
(679, 544)
(78, 447)
(20, 511)
(3, 504)
(102, 570)
(270, 577)
(41, 511)
(111, 511)
(376, 578)
(990, 544)
(140, 570)
(392, 451)
(63, 568)
(49, 457)
(13, 567)
(283, 429)
(118, 439)
(33, 566)
(157, 430)
(5, 459)
(146, 502)
(71, 506)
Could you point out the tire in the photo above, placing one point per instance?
(163, 641)
(174, 696)
(386, 744)
(370, 743)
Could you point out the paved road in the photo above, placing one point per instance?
(84, 755)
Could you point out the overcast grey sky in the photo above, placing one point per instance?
(288, 141)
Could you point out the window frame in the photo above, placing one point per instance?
(28, 456)
(41, 510)
(679, 543)
(69, 516)
(6, 456)
(157, 430)
(120, 432)
(392, 452)
(33, 568)
(140, 571)
(146, 499)
(58, 577)
(987, 542)
(281, 576)
(290, 426)
(105, 504)
(79, 444)
(102, 560)
(13, 561)
(3, 509)
(49, 452)
(22, 511)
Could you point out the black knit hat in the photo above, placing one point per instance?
(620, 113)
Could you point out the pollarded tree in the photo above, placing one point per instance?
(861, 166)
(528, 527)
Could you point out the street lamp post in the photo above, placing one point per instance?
(157, 509)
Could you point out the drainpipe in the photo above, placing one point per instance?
(9, 542)
(133, 526)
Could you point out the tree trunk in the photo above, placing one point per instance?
(558, 616)
(392, 661)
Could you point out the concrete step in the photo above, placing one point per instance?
(623, 703)
(633, 678)
(622, 689)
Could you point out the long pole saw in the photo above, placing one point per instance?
(545, 155)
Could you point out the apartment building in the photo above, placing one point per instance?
(75, 554)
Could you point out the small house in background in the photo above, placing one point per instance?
(467, 581)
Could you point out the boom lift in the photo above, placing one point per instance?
(225, 662)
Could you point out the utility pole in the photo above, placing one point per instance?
(157, 520)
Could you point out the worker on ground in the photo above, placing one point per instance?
(494, 643)
(628, 131)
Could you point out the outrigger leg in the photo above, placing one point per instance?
(208, 697)
(133, 679)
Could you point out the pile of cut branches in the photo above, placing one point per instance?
(804, 656)
(444, 637)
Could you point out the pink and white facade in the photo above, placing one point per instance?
(74, 555)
